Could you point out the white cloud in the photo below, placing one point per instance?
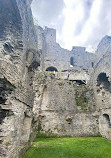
(48, 12)
(78, 22)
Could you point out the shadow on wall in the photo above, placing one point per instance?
(5, 90)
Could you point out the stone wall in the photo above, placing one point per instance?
(62, 109)
(83, 60)
(55, 56)
(101, 80)
(57, 102)
(11, 31)
(19, 58)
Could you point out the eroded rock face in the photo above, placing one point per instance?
(18, 60)
(16, 102)
(5, 90)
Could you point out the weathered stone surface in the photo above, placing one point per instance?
(101, 81)
(56, 108)
(56, 103)
(73, 100)
(55, 56)
(19, 58)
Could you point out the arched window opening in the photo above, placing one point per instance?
(52, 69)
(103, 80)
(72, 61)
(107, 120)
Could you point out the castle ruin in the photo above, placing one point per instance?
(43, 85)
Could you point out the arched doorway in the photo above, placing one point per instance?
(105, 126)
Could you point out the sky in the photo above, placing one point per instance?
(77, 22)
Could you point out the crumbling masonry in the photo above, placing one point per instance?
(43, 85)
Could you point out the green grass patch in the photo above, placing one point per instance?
(70, 148)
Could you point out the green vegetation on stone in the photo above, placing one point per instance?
(40, 134)
(90, 147)
(46, 135)
(81, 97)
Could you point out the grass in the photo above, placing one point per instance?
(90, 147)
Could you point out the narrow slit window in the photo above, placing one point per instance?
(72, 61)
